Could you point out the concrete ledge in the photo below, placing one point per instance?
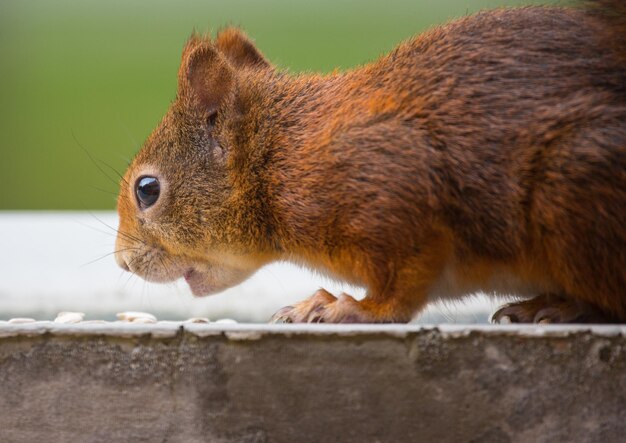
(191, 382)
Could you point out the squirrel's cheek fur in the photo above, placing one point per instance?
(178, 237)
(155, 260)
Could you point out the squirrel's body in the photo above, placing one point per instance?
(488, 154)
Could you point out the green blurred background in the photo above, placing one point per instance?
(101, 73)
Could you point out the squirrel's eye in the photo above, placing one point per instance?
(147, 190)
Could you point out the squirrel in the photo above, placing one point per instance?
(486, 154)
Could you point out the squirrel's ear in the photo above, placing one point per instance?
(239, 49)
(204, 75)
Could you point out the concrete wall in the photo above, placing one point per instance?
(255, 383)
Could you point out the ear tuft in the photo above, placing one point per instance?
(239, 49)
(194, 40)
(204, 74)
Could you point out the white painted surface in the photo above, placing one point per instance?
(51, 262)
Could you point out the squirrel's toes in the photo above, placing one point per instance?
(323, 307)
(549, 308)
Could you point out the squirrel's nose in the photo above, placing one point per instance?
(124, 266)
(121, 261)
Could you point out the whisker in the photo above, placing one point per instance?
(145, 282)
(122, 233)
(91, 157)
(278, 280)
(128, 133)
(162, 261)
(107, 255)
(114, 233)
(103, 190)
(93, 228)
(114, 170)
(132, 273)
(124, 159)
(128, 236)
(122, 274)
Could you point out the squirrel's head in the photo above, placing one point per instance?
(179, 203)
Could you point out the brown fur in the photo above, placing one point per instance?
(491, 149)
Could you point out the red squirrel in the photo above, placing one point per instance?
(487, 154)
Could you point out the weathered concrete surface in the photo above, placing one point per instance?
(255, 383)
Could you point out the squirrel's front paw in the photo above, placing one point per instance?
(302, 312)
(323, 307)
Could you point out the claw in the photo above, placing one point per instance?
(316, 316)
(282, 315)
(504, 320)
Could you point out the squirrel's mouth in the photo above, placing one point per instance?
(188, 274)
(196, 282)
(201, 284)
(211, 279)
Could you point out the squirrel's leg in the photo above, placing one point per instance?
(323, 307)
(398, 302)
(550, 308)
